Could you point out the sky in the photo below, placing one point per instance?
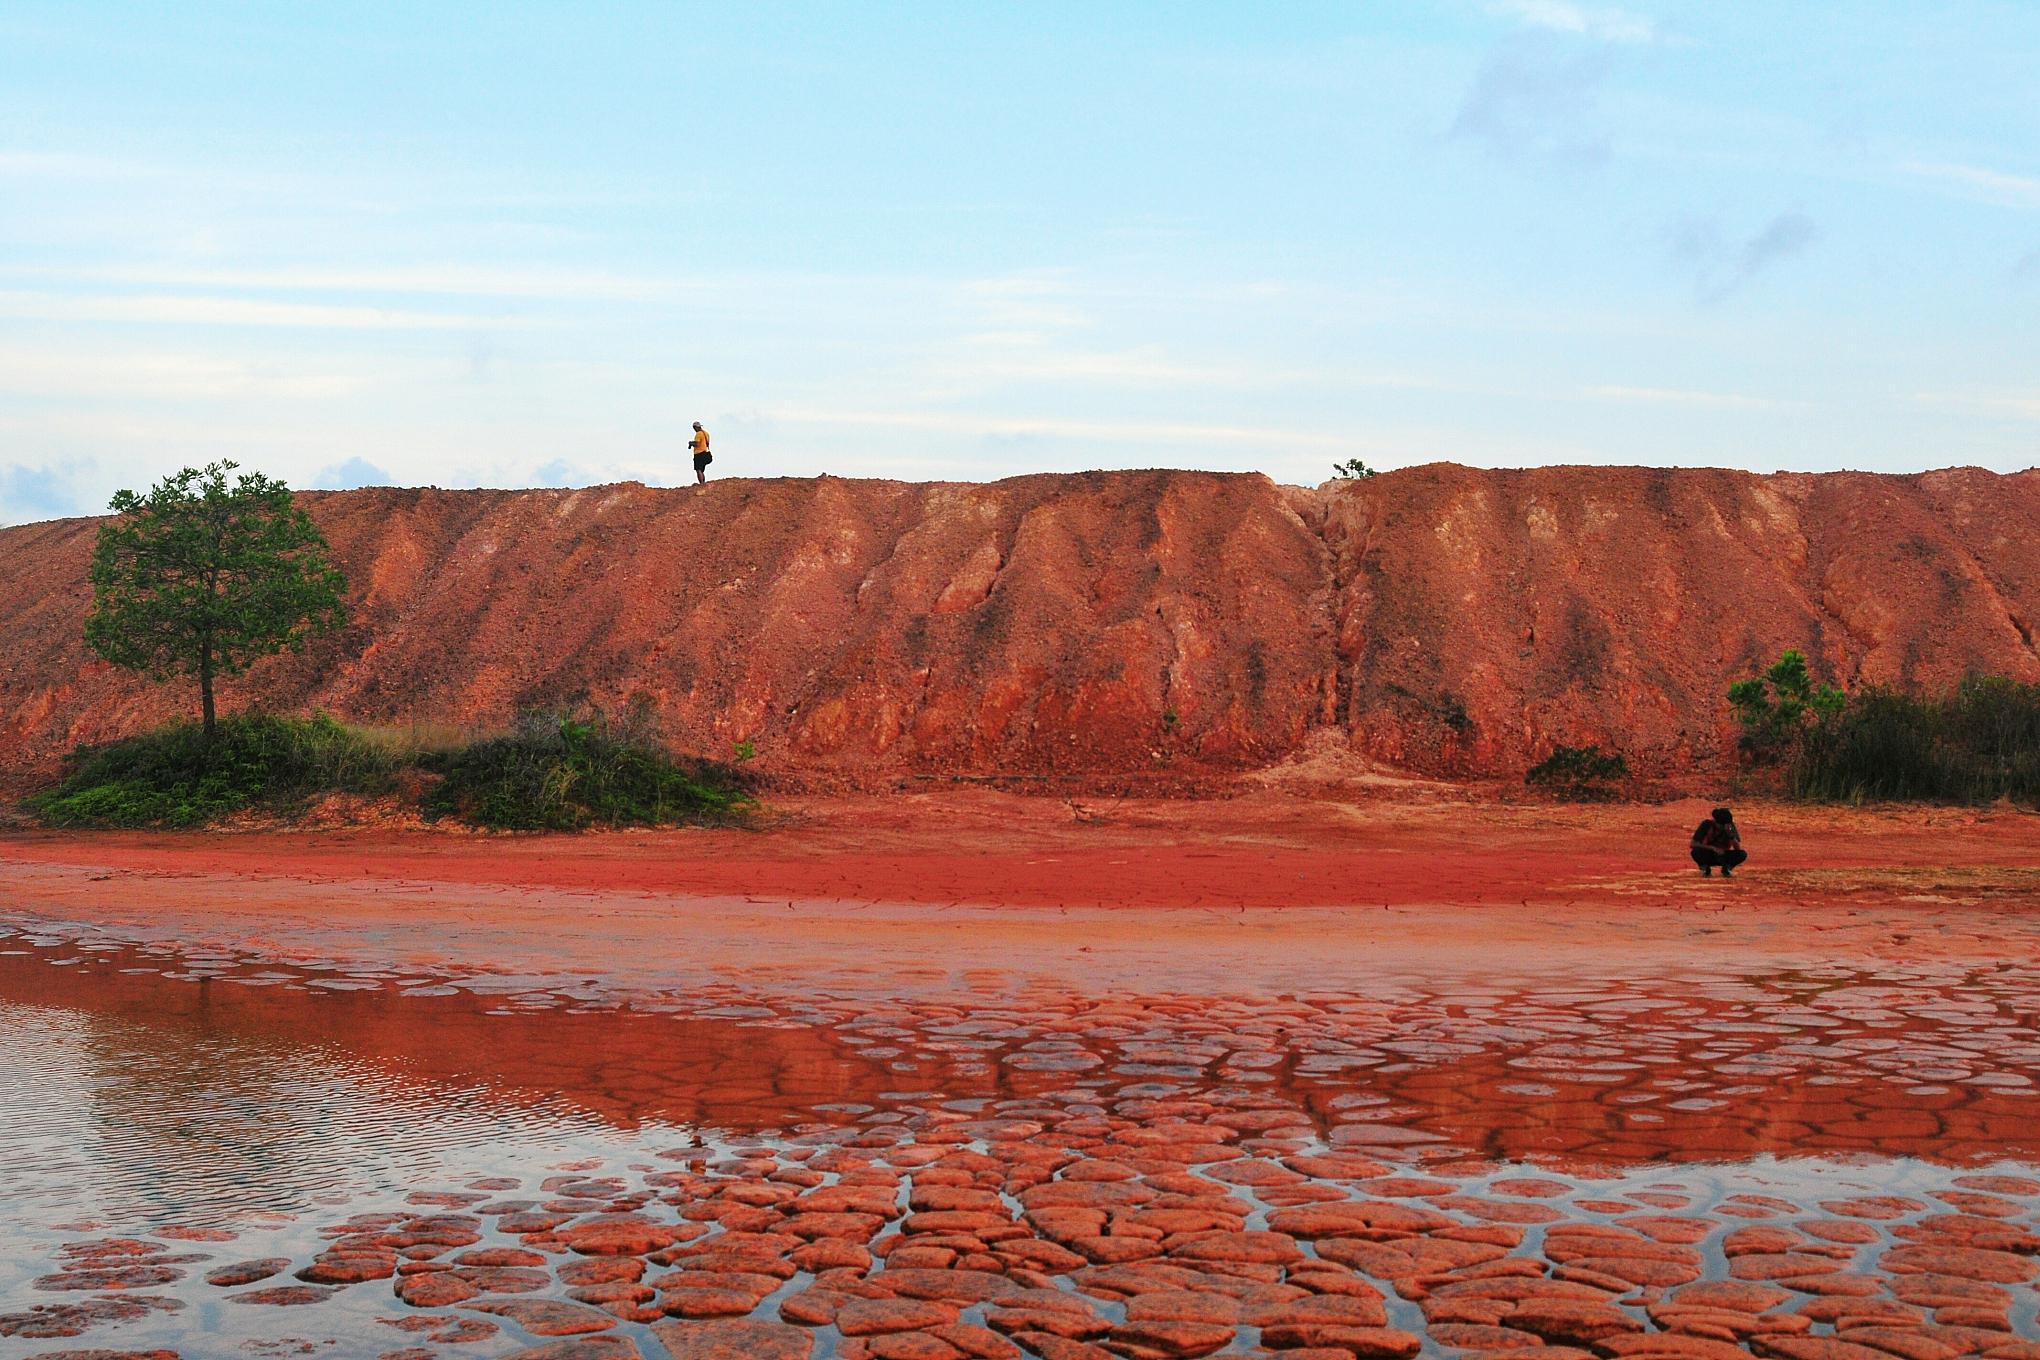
(503, 244)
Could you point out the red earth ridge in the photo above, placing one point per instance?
(1177, 626)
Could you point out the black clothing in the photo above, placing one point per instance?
(1717, 843)
(1708, 858)
(703, 459)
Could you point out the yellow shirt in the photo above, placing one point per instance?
(700, 444)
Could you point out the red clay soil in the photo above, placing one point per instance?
(1482, 1078)
(1145, 894)
(1112, 629)
(991, 849)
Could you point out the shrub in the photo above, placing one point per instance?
(1777, 707)
(1977, 743)
(1353, 469)
(174, 777)
(1582, 772)
(557, 772)
(552, 772)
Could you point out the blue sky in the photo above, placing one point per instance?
(511, 245)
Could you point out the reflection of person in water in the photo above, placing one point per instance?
(1716, 841)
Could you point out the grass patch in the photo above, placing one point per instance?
(568, 773)
(552, 772)
(256, 762)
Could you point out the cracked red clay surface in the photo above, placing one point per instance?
(977, 1076)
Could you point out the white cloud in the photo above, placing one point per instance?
(1101, 431)
(349, 474)
(2021, 405)
(68, 165)
(1671, 396)
(1561, 16)
(456, 280)
(44, 372)
(189, 310)
(1026, 305)
(1002, 357)
(1993, 186)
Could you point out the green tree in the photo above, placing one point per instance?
(201, 577)
(1777, 707)
(1353, 468)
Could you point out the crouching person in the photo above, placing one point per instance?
(1716, 843)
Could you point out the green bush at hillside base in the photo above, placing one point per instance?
(1976, 743)
(173, 777)
(1585, 773)
(555, 773)
(551, 773)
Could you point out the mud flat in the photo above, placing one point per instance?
(975, 1076)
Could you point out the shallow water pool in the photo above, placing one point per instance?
(424, 1163)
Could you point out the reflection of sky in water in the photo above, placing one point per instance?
(127, 1125)
(122, 1122)
(230, 1096)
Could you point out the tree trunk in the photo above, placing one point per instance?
(205, 668)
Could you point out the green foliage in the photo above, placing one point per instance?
(1579, 772)
(743, 751)
(567, 773)
(201, 578)
(1977, 743)
(175, 777)
(1777, 708)
(1353, 468)
(551, 773)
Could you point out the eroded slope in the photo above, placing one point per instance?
(1105, 624)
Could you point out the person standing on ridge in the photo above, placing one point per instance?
(1716, 841)
(702, 457)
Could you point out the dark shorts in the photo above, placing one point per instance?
(702, 460)
(1708, 858)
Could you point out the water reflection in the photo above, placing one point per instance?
(204, 1096)
(214, 1086)
(129, 1095)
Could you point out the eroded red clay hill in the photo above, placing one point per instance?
(1105, 625)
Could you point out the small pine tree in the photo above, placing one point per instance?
(1777, 707)
(1353, 468)
(201, 578)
